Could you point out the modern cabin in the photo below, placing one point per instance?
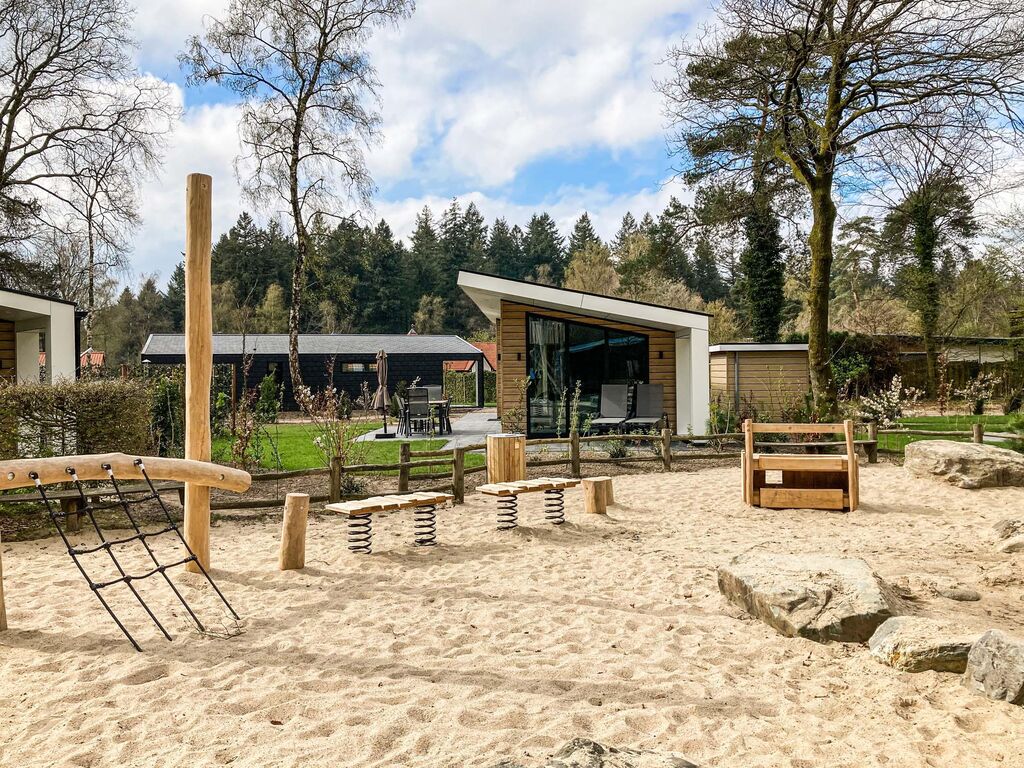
(34, 329)
(551, 338)
(354, 358)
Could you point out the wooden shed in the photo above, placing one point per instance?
(771, 376)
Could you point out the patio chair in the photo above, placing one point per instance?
(403, 415)
(436, 392)
(614, 407)
(420, 416)
(649, 410)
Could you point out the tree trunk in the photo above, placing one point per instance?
(299, 266)
(823, 211)
(91, 310)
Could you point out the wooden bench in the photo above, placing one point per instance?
(814, 481)
(359, 513)
(508, 498)
(71, 500)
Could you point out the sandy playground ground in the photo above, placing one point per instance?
(498, 645)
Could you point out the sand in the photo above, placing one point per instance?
(508, 645)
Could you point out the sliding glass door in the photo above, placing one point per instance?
(561, 353)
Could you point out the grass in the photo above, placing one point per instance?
(296, 450)
(951, 423)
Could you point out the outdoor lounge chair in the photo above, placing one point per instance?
(649, 411)
(614, 407)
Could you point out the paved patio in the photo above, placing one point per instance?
(468, 429)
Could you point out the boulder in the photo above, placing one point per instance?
(918, 644)
(1013, 544)
(584, 753)
(968, 465)
(1007, 529)
(995, 667)
(818, 597)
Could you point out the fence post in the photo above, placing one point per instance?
(459, 475)
(404, 456)
(292, 554)
(666, 448)
(334, 494)
(574, 453)
(977, 433)
(872, 447)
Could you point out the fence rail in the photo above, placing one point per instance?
(661, 443)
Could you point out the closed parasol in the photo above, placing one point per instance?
(381, 399)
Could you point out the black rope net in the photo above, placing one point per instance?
(127, 500)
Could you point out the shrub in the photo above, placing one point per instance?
(69, 417)
(889, 405)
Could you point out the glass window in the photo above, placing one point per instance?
(353, 367)
(561, 353)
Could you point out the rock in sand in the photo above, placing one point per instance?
(918, 644)
(995, 667)
(967, 465)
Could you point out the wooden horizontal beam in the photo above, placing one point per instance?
(15, 473)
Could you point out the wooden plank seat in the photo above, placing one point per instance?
(508, 498)
(70, 500)
(360, 511)
(811, 481)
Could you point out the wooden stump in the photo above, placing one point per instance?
(3, 608)
(293, 532)
(72, 517)
(597, 494)
(506, 458)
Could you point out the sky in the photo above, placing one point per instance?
(516, 105)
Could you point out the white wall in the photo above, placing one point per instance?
(693, 382)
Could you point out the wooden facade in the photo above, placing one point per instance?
(8, 351)
(772, 380)
(512, 353)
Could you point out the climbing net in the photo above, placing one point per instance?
(112, 546)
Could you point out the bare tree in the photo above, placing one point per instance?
(74, 113)
(302, 68)
(823, 77)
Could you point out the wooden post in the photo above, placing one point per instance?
(334, 492)
(3, 608)
(506, 458)
(234, 395)
(459, 475)
(851, 465)
(198, 357)
(666, 448)
(872, 447)
(72, 517)
(597, 494)
(748, 462)
(293, 532)
(574, 453)
(404, 456)
(977, 433)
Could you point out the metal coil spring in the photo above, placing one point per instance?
(425, 526)
(554, 506)
(507, 513)
(359, 534)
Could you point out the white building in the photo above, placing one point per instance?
(29, 324)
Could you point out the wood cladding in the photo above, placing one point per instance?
(8, 351)
(770, 379)
(512, 352)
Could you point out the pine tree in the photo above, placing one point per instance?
(272, 314)
(543, 247)
(707, 280)
(583, 234)
(504, 251)
(381, 292)
(763, 273)
(668, 242)
(627, 229)
(174, 299)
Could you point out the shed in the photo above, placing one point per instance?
(31, 323)
(772, 377)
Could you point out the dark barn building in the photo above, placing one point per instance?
(354, 355)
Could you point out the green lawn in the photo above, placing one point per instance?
(954, 423)
(295, 448)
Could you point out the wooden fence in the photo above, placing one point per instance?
(455, 471)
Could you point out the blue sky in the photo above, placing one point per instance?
(517, 106)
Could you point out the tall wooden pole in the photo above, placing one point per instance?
(198, 356)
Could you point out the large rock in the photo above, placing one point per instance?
(584, 753)
(814, 596)
(917, 644)
(1011, 545)
(995, 667)
(1007, 529)
(968, 465)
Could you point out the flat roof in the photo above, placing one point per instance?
(488, 291)
(752, 346)
(318, 344)
(32, 295)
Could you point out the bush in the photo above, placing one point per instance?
(75, 417)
